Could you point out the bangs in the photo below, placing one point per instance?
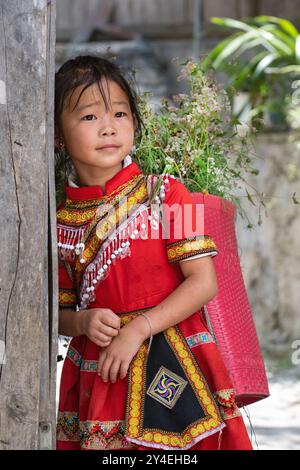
(86, 71)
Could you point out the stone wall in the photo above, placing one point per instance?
(270, 253)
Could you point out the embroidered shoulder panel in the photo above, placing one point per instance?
(77, 213)
(92, 233)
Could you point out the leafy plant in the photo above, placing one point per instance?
(195, 138)
(274, 61)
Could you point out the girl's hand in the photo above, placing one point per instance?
(100, 325)
(118, 355)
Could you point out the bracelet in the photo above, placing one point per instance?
(151, 336)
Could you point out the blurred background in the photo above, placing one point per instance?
(148, 35)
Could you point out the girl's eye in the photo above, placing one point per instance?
(88, 115)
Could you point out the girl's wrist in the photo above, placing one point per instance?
(140, 327)
(81, 321)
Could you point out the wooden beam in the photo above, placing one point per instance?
(246, 8)
(220, 8)
(291, 10)
(269, 7)
(156, 31)
(27, 44)
(51, 251)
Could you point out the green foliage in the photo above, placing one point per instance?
(195, 139)
(262, 58)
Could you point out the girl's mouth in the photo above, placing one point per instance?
(108, 147)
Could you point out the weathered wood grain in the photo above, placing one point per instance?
(26, 53)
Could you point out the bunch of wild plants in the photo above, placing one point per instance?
(195, 138)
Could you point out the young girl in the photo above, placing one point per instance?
(142, 370)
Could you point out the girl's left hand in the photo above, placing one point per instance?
(118, 355)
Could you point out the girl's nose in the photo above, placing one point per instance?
(107, 127)
(107, 130)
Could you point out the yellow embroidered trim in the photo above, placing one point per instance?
(77, 213)
(190, 366)
(98, 435)
(75, 217)
(190, 247)
(136, 390)
(101, 228)
(103, 224)
(67, 298)
(107, 224)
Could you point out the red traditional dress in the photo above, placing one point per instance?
(114, 253)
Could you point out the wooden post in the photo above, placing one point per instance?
(28, 270)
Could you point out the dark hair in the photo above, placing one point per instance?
(87, 70)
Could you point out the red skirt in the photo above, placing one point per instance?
(91, 413)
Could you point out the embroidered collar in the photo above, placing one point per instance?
(91, 235)
(79, 193)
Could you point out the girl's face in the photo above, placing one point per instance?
(90, 127)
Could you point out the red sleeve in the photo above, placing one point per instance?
(184, 233)
(67, 291)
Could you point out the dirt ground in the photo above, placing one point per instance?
(276, 419)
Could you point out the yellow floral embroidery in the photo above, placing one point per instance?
(67, 298)
(77, 213)
(190, 247)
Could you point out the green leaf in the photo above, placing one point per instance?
(263, 64)
(283, 39)
(283, 70)
(243, 75)
(269, 40)
(290, 42)
(217, 50)
(232, 47)
(297, 48)
(249, 45)
(230, 23)
(286, 25)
